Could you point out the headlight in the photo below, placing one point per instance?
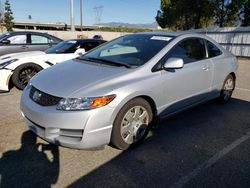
(28, 86)
(87, 103)
(6, 63)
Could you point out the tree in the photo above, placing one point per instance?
(8, 16)
(226, 12)
(1, 11)
(185, 14)
(245, 10)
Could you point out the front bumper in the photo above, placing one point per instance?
(5, 76)
(74, 129)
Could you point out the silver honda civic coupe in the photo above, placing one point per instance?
(114, 93)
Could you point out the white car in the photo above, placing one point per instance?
(19, 68)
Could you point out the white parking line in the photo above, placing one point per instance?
(185, 179)
(243, 89)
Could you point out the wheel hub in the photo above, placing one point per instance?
(134, 124)
(228, 88)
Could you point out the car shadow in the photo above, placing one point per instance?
(29, 166)
(176, 147)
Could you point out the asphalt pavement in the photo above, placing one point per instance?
(207, 146)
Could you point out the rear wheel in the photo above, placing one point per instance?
(227, 89)
(24, 73)
(131, 124)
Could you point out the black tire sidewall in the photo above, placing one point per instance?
(19, 69)
(116, 138)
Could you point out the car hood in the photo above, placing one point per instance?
(74, 77)
(45, 57)
(20, 55)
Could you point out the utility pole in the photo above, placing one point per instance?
(72, 22)
(81, 12)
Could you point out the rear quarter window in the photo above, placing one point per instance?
(213, 50)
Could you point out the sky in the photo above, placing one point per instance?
(54, 11)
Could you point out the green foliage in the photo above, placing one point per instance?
(194, 14)
(8, 16)
(226, 12)
(245, 17)
(123, 29)
(184, 14)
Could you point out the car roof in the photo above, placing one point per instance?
(172, 34)
(31, 32)
(87, 40)
(26, 32)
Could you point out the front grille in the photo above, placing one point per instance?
(42, 98)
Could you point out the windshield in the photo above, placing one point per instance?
(2, 36)
(129, 50)
(62, 47)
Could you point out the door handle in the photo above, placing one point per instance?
(206, 68)
(24, 47)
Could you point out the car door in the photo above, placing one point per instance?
(16, 43)
(191, 84)
(38, 42)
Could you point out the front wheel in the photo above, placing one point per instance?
(24, 73)
(227, 89)
(132, 123)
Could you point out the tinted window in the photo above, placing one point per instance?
(18, 39)
(64, 47)
(212, 50)
(189, 50)
(38, 39)
(89, 45)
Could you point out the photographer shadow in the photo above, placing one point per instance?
(30, 166)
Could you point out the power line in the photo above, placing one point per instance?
(98, 13)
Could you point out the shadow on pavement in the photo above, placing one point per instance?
(29, 166)
(178, 146)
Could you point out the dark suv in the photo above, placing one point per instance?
(22, 41)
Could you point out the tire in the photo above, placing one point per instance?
(131, 124)
(23, 73)
(227, 89)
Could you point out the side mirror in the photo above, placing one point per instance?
(173, 63)
(80, 51)
(5, 42)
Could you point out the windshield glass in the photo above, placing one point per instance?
(3, 36)
(129, 50)
(62, 47)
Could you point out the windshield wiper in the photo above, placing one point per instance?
(93, 59)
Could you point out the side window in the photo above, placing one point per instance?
(212, 49)
(18, 39)
(38, 39)
(89, 45)
(189, 50)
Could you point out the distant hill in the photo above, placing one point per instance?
(121, 24)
